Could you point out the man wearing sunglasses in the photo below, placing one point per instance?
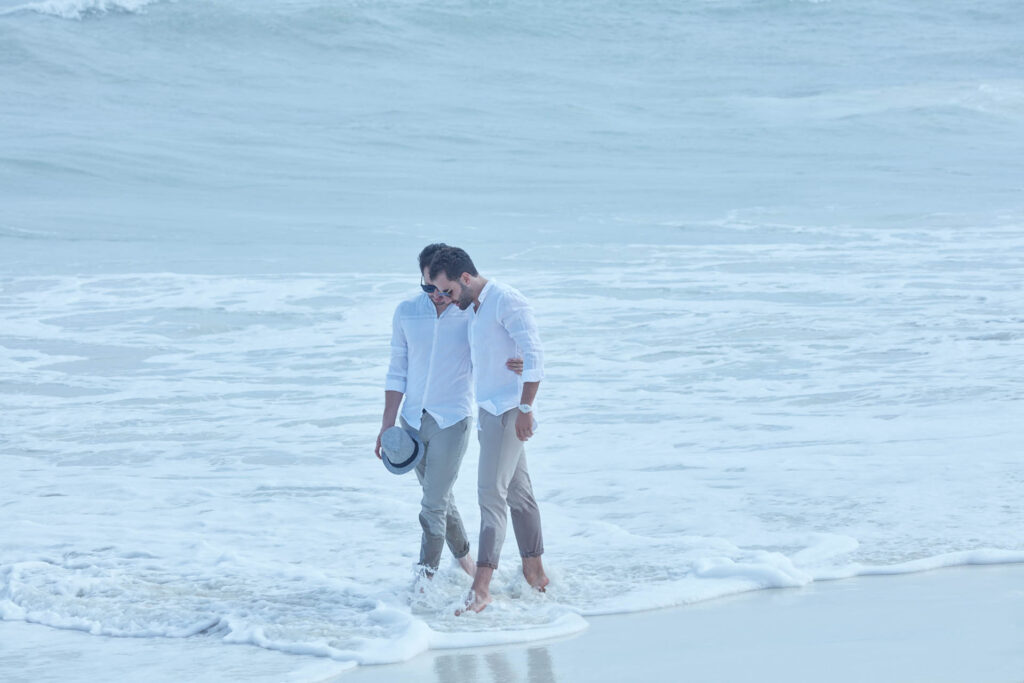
(432, 369)
(502, 325)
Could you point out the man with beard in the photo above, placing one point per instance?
(502, 326)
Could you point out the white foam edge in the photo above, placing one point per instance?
(962, 558)
(419, 637)
(696, 589)
(76, 9)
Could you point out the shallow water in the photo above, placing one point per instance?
(192, 454)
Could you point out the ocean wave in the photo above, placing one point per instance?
(80, 9)
(24, 234)
(997, 98)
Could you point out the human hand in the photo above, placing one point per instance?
(524, 425)
(515, 365)
(383, 429)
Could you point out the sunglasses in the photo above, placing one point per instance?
(430, 289)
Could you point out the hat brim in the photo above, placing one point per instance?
(401, 450)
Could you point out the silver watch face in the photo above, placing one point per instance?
(525, 408)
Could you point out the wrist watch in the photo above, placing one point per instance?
(525, 408)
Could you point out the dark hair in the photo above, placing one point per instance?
(453, 262)
(427, 255)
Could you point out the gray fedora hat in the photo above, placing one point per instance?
(400, 450)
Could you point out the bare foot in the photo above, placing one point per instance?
(533, 571)
(467, 564)
(475, 602)
(480, 595)
(422, 572)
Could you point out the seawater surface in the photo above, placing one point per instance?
(775, 251)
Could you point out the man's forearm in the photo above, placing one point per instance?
(392, 401)
(529, 392)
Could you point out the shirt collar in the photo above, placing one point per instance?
(484, 292)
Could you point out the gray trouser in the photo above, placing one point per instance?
(504, 483)
(437, 471)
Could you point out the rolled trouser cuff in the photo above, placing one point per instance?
(489, 548)
(430, 550)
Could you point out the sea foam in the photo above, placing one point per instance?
(206, 441)
(80, 9)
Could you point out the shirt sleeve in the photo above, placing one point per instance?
(517, 318)
(398, 370)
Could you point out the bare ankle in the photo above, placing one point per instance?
(533, 572)
(475, 602)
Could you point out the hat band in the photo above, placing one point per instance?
(415, 450)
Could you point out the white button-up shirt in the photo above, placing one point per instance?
(430, 361)
(503, 327)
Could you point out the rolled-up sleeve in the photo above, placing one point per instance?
(398, 369)
(517, 318)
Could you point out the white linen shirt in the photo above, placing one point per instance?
(503, 327)
(430, 361)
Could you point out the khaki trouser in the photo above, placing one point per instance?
(503, 484)
(437, 471)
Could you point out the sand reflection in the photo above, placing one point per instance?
(496, 667)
